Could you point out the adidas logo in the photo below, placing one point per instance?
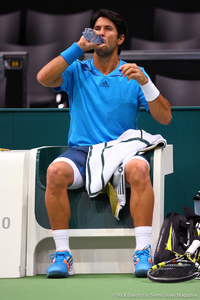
(104, 84)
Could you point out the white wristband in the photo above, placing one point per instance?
(150, 91)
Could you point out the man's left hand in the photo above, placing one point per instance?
(133, 72)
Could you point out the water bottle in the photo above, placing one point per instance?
(196, 199)
(90, 35)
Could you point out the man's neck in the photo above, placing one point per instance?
(105, 64)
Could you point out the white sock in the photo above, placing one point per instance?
(61, 239)
(142, 235)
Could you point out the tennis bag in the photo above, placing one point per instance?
(177, 234)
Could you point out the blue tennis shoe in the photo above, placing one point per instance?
(142, 261)
(62, 265)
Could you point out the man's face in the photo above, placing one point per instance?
(107, 29)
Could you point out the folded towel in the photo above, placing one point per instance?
(105, 160)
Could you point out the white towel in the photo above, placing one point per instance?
(106, 159)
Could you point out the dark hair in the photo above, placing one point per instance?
(118, 20)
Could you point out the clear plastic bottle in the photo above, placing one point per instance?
(196, 199)
(90, 35)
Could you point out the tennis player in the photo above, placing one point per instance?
(105, 95)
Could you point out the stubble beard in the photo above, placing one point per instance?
(105, 52)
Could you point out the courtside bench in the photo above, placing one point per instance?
(99, 242)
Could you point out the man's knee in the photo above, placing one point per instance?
(59, 174)
(137, 172)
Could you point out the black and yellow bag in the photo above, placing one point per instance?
(176, 234)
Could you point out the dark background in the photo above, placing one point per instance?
(138, 14)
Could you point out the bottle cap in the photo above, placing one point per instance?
(197, 196)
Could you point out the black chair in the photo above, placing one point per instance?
(10, 27)
(141, 44)
(170, 26)
(38, 56)
(42, 28)
(3, 92)
(179, 92)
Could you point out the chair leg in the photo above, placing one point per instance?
(163, 165)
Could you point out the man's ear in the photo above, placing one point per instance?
(121, 39)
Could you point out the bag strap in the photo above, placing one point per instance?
(193, 219)
(190, 214)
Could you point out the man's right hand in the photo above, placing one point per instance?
(86, 45)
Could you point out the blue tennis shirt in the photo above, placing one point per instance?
(101, 107)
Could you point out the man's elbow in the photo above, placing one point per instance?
(168, 119)
(41, 78)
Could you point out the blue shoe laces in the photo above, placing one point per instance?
(60, 256)
(143, 254)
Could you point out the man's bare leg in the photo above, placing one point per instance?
(60, 175)
(141, 209)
